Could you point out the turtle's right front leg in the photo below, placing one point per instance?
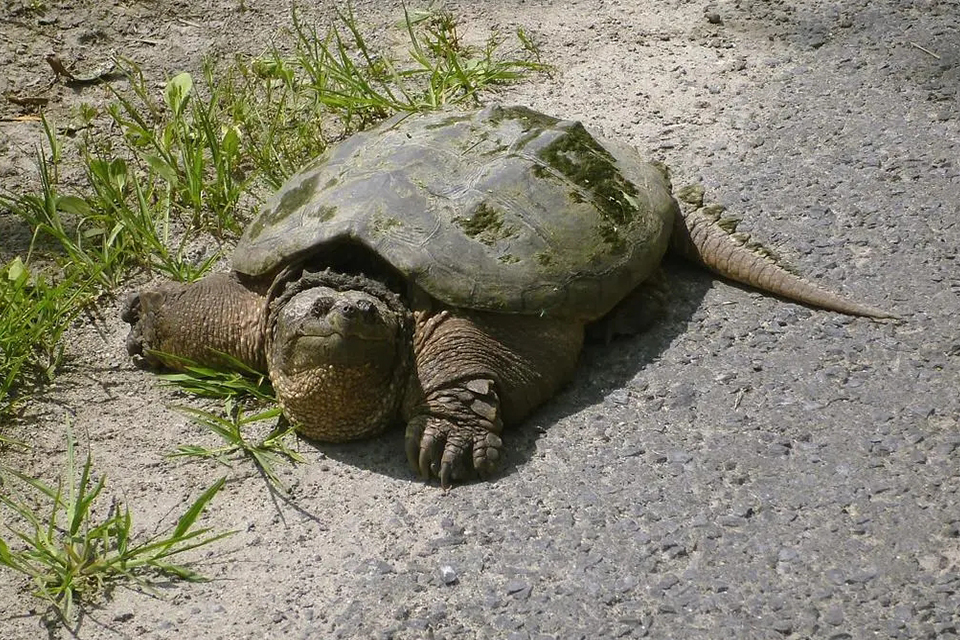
(475, 373)
(218, 314)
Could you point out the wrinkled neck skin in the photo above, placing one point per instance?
(338, 351)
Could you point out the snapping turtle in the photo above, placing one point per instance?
(440, 269)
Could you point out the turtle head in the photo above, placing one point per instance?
(320, 327)
(339, 359)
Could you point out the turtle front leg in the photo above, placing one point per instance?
(475, 373)
(218, 314)
(456, 433)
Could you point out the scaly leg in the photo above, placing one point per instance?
(477, 372)
(218, 314)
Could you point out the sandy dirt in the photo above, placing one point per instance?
(749, 468)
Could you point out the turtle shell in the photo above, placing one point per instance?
(503, 209)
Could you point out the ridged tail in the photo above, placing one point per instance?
(701, 236)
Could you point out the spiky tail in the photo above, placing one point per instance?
(703, 237)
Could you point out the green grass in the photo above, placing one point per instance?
(75, 551)
(35, 310)
(159, 173)
(265, 453)
(237, 383)
(242, 389)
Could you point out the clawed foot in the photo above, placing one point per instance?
(457, 438)
(140, 311)
(131, 315)
(438, 448)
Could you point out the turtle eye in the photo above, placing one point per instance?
(322, 305)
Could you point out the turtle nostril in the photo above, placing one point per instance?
(365, 307)
(321, 306)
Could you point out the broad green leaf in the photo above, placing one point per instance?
(231, 141)
(17, 271)
(159, 165)
(73, 204)
(117, 170)
(178, 91)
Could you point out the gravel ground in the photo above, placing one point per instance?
(749, 468)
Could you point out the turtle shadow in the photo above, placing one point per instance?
(606, 368)
(603, 368)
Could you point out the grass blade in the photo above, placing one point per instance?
(187, 519)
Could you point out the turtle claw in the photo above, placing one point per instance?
(131, 315)
(141, 329)
(428, 457)
(452, 452)
(418, 451)
(435, 449)
(454, 436)
(131, 308)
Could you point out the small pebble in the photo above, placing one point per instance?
(833, 616)
(667, 582)
(516, 586)
(783, 626)
(731, 521)
(448, 574)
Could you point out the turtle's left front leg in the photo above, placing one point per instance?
(221, 313)
(475, 373)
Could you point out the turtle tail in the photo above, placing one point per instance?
(701, 235)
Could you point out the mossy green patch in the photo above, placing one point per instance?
(292, 200)
(325, 213)
(382, 224)
(579, 157)
(485, 225)
(545, 258)
(531, 120)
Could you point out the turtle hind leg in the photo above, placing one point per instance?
(638, 311)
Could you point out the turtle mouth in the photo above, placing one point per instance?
(353, 331)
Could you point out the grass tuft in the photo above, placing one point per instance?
(73, 556)
(236, 382)
(35, 310)
(266, 453)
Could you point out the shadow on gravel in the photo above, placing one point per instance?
(602, 369)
